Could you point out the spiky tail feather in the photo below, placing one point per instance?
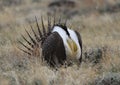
(33, 46)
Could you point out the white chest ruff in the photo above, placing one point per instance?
(64, 36)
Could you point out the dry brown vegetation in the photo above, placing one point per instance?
(101, 43)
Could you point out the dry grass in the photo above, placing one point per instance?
(97, 30)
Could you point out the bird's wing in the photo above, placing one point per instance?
(53, 49)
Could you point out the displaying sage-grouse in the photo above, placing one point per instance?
(59, 43)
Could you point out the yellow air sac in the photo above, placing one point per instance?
(72, 45)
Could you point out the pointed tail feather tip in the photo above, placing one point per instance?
(24, 51)
(43, 27)
(38, 27)
(27, 41)
(25, 46)
(34, 42)
(35, 35)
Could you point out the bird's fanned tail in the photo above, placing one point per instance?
(36, 42)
